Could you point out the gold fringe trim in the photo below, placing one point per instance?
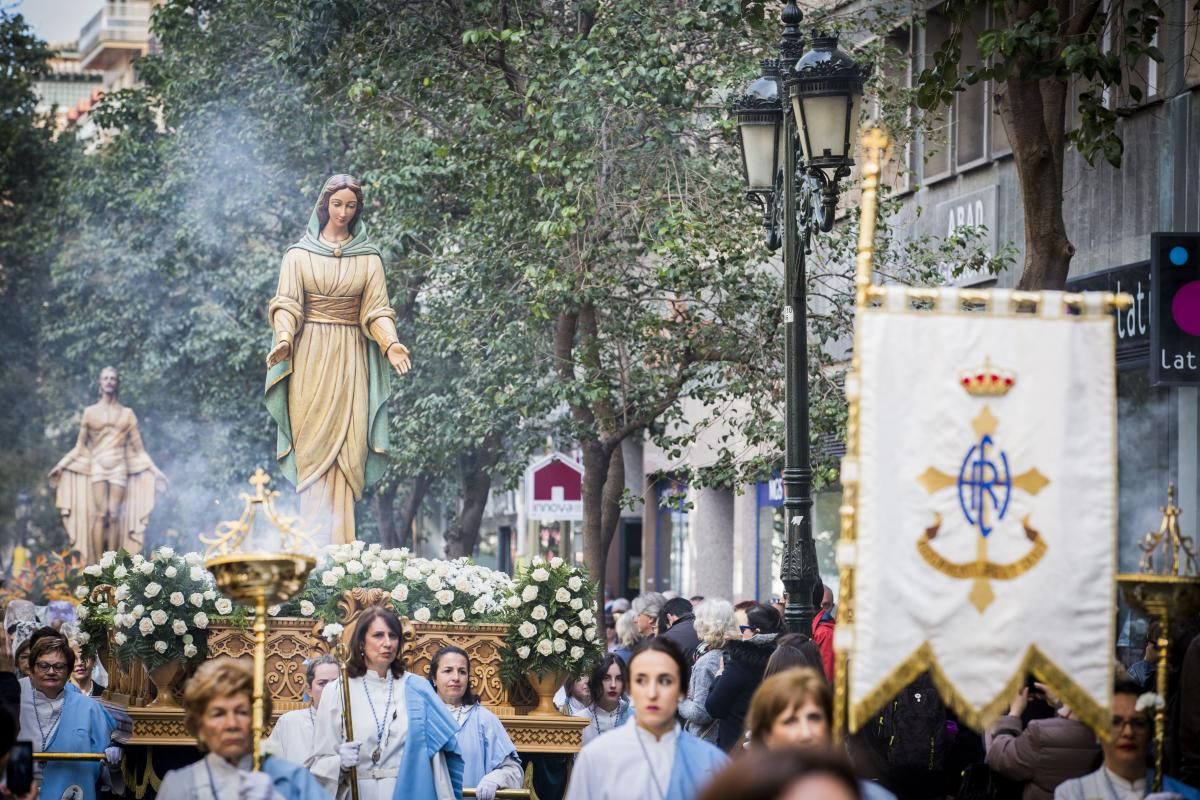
(1019, 302)
(1095, 715)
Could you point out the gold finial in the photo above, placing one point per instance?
(1171, 541)
(231, 534)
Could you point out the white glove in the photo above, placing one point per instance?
(348, 753)
(256, 786)
(112, 756)
(486, 790)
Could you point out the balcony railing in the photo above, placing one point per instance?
(123, 24)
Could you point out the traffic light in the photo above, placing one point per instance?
(1175, 309)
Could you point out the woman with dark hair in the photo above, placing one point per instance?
(490, 759)
(295, 731)
(327, 380)
(786, 775)
(610, 706)
(403, 735)
(651, 758)
(743, 664)
(793, 650)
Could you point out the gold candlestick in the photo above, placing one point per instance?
(259, 578)
(1157, 593)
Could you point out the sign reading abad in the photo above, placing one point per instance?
(554, 488)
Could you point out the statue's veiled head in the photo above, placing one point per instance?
(343, 186)
(110, 382)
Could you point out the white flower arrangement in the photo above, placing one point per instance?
(332, 631)
(1149, 701)
(549, 601)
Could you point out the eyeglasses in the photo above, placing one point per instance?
(46, 666)
(1136, 724)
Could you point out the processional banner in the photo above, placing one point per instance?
(983, 501)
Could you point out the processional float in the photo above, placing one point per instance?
(979, 493)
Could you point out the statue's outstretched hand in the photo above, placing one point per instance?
(398, 357)
(280, 352)
(55, 474)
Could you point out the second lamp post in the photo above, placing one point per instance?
(794, 154)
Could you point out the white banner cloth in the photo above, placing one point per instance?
(1033, 467)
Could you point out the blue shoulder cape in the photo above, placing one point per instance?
(696, 762)
(430, 729)
(84, 727)
(293, 781)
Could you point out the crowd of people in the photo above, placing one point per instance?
(695, 699)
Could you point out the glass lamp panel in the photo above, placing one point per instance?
(824, 125)
(759, 150)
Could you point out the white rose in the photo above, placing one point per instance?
(332, 631)
(540, 575)
(147, 568)
(190, 651)
(341, 555)
(560, 645)
(152, 589)
(81, 592)
(166, 552)
(458, 616)
(442, 569)
(576, 604)
(590, 634)
(192, 558)
(575, 632)
(307, 609)
(158, 616)
(529, 593)
(412, 573)
(523, 652)
(120, 638)
(462, 585)
(354, 566)
(83, 637)
(138, 611)
(562, 596)
(120, 572)
(170, 572)
(179, 627)
(527, 629)
(400, 593)
(545, 647)
(379, 573)
(176, 599)
(196, 574)
(145, 627)
(559, 626)
(196, 599)
(434, 583)
(329, 579)
(338, 572)
(224, 606)
(479, 606)
(539, 612)
(107, 560)
(200, 620)
(586, 616)
(81, 613)
(93, 569)
(395, 565)
(122, 592)
(513, 601)
(422, 615)
(576, 653)
(556, 562)
(273, 611)
(445, 596)
(160, 646)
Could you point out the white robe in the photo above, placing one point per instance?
(375, 781)
(38, 708)
(294, 734)
(1103, 784)
(601, 721)
(192, 782)
(627, 763)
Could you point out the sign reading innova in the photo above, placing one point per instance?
(554, 488)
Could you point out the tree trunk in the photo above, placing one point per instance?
(463, 535)
(603, 485)
(385, 516)
(408, 513)
(1034, 115)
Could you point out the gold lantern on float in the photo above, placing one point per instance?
(245, 571)
(1157, 591)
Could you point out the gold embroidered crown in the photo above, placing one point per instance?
(987, 381)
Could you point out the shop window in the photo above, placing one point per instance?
(937, 137)
(971, 105)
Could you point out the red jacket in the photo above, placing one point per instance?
(822, 634)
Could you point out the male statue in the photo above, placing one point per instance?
(106, 483)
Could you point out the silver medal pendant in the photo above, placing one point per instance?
(375, 756)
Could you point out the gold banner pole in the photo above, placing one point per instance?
(342, 654)
(68, 756)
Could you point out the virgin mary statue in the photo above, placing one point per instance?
(327, 386)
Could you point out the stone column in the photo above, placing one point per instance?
(712, 543)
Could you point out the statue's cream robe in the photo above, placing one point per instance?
(294, 735)
(331, 310)
(374, 782)
(192, 782)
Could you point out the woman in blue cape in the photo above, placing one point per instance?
(218, 704)
(651, 757)
(490, 759)
(404, 745)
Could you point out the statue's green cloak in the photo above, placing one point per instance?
(378, 384)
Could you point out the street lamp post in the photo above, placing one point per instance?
(794, 153)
